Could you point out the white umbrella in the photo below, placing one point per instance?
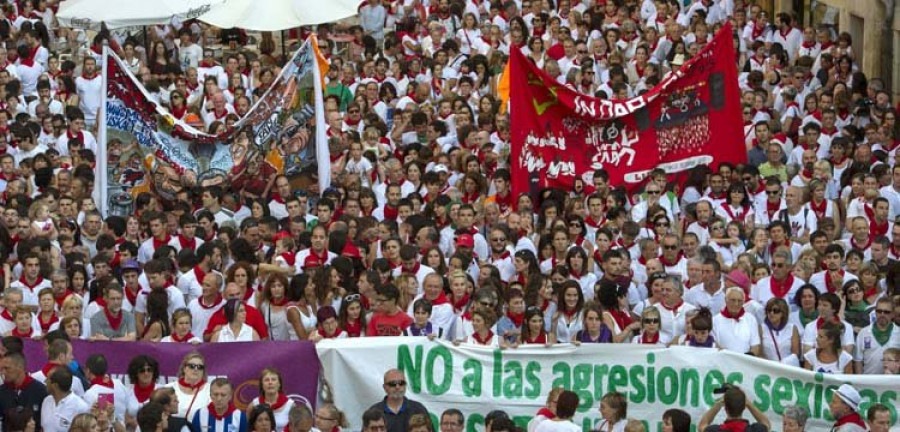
(275, 15)
(88, 14)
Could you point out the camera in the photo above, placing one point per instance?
(724, 388)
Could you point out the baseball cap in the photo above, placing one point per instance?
(465, 240)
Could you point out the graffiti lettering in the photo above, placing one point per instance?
(552, 141)
(122, 118)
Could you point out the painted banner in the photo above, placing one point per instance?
(147, 150)
(477, 380)
(693, 117)
(240, 362)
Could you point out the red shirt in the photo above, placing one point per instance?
(388, 325)
(254, 319)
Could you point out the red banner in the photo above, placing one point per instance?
(693, 117)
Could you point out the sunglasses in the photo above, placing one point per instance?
(499, 239)
(768, 192)
(653, 192)
(651, 320)
(194, 366)
(352, 297)
(397, 383)
(670, 247)
(883, 311)
(145, 369)
(774, 311)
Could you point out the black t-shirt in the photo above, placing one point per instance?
(399, 422)
(16, 405)
(738, 425)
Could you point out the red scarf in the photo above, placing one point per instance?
(667, 263)
(517, 319)
(132, 295)
(460, 304)
(390, 212)
(780, 289)
(353, 329)
(541, 338)
(771, 208)
(19, 387)
(114, 322)
(733, 215)
(15, 332)
(850, 418)
(281, 401)
(734, 425)
(104, 381)
(158, 243)
(182, 339)
(651, 340)
(142, 393)
(546, 413)
(188, 244)
(45, 325)
(195, 387)
(31, 286)
(216, 415)
(727, 314)
(486, 340)
(818, 209)
(179, 113)
(199, 274)
(7, 316)
(853, 244)
(441, 299)
(673, 309)
(877, 229)
(331, 336)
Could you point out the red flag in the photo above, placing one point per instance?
(693, 117)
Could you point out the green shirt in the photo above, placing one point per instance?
(767, 169)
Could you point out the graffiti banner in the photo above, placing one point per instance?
(693, 117)
(144, 148)
(240, 362)
(477, 380)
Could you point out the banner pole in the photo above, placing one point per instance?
(101, 183)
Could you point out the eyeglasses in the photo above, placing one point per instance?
(145, 369)
(774, 311)
(499, 239)
(196, 367)
(651, 320)
(397, 383)
(883, 311)
(854, 290)
(718, 227)
(670, 247)
(486, 304)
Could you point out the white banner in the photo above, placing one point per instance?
(477, 380)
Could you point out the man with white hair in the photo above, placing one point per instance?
(733, 329)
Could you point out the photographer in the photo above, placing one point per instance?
(735, 401)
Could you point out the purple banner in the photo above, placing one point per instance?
(241, 362)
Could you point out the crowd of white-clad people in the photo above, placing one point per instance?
(791, 257)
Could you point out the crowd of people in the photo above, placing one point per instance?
(791, 257)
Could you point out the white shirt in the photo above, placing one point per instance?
(245, 334)
(119, 392)
(700, 297)
(57, 417)
(557, 426)
(188, 403)
(200, 314)
(736, 335)
(870, 353)
(812, 330)
(89, 92)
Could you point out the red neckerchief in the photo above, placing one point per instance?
(142, 393)
(283, 301)
(853, 244)
(60, 299)
(734, 425)
(649, 341)
(19, 387)
(353, 329)
(390, 212)
(412, 271)
(673, 309)
(101, 302)
(876, 229)
(132, 295)
(441, 299)
(199, 274)
(104, 381)
(502, 256)
(208, 64)
(178, 113)
(771, 208)
(850, 418)
(731, 213)
(541, 338)
(114, 322)
(197, 386)
(727, 314)
(281, 401)
(289, 257)
(821, 321)
(546, 413)
(470, 198)
(570, 314)
(325, 336)
(808, 44)
(717, 196)
(188, 244)
(45, 325)
(818, 209)
(15, 332)
(182, 339)
(780, 289)
(839, 161)
(828, 280)
(49, 368)
(31, 286)
(667, 263)
(460, 304)
(486, 340)
(517, 319)
(773, 246)
(216, 415)
(158, 243)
